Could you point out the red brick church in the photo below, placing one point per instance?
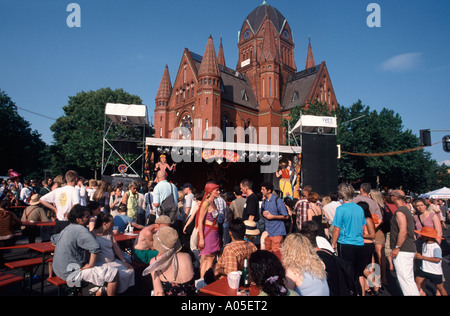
(262, 90)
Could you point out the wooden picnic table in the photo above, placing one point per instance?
(38, 224)
(44, 248)
(126, 236)
(221, 288)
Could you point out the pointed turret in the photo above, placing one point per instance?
(310, 63)
(269, 51)
(165, 87)
(209, 66)
(221, 57)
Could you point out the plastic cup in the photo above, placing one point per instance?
(233, 279)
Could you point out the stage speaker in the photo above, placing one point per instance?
(127, 147)
(319, 165)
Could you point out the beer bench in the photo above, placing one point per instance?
(8, 279)
(58, 282)
(27, 265)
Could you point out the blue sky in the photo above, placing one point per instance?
(402, 65)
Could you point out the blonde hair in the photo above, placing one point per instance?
(377, 197)
(346, 191)
(300, 256)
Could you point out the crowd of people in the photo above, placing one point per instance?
(191, 237)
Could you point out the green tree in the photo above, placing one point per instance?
(21, 148)
(79, 133)
(369, 140)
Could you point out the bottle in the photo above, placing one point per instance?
(244, 276)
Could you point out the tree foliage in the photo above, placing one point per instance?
(21, 148)
(365, 131)
(79, 133)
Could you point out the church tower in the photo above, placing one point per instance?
(209, 91)
(266, 58)
(162, 105)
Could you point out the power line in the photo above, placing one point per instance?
(389, 153)
(38, 114)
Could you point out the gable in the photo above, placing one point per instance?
(186, 78)
(298, 88)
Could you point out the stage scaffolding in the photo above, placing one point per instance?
(126, 128)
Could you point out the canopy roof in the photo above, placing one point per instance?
(127, 113)
(310, 123)
(443, 193)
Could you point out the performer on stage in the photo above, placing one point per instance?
(163, 165)
(285, 182)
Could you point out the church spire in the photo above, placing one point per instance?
(221, 57)
(310, 63)
(165, 87)
(209, 66)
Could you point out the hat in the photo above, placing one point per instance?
(35, 199)
(428, 232)
(186, 185)
(165, 239)
(251, 229)
(163, 219)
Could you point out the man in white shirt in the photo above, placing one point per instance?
(188, 199)
(26, 192)
(64, 198)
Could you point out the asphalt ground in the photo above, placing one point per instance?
(143, 286)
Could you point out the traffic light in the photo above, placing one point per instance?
(446, 143)
(425, 138)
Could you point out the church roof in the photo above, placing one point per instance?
(235, 87)
(256, 18)
(298, 88)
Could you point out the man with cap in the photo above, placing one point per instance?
(144, 249)
(402, 243)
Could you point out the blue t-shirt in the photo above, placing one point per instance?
(122, 222)
(350, 219)
(275, 206)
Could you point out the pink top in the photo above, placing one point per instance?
(428, 222)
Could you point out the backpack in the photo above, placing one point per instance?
(348, 284)
(169, 206)
(385, 226)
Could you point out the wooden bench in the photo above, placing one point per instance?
(58, 282)
(27, 263)
(8, 279)
(14, 247)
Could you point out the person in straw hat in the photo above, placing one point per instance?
(251, 231)
(172, 271)
(33, 213)
(431, 257)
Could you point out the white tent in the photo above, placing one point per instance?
(443, 193)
